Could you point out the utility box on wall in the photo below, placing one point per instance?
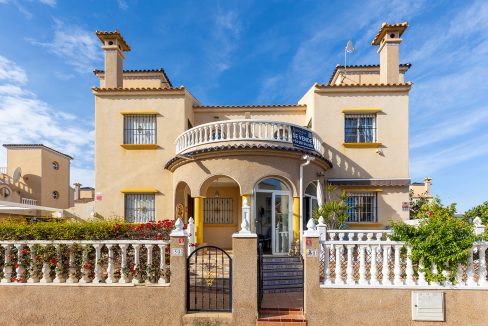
(428, 306)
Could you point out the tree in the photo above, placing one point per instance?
(480, 210)
(334, 210)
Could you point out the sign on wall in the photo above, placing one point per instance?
(405, 206)
(302, 138)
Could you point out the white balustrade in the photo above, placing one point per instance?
(365, 250)
(242, 130)
(3, 170)
(28, 201)
(97, 262)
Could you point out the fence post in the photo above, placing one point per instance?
(178, 270)
(244, 276)
(311, 265)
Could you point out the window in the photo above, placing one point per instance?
(272, 184)
(55, 194)
(140, 129)
(218, 211)
(55, 165)
(139, 208)
(361, 207)
(360, 128)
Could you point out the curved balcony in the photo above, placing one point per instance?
(245, 131)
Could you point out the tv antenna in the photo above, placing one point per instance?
(17, 174)
(348, 49)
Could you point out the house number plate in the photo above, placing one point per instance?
(311, 252)
(176, 251)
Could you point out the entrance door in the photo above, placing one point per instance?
(272, 212)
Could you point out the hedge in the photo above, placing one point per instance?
(114, 229)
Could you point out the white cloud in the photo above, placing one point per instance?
(454, 126)
(78, 47)
(226, 34)
(51, 3)
(429, 162)
(123, 5)
(9, 71)
(27, 119)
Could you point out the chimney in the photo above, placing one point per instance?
(427, 184)
(113, 47)
(77, 190)
(388, 39)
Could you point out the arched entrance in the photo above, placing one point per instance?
(272, 211)
(221, 210)
(183, 205)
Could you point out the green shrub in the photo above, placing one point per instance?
(114, 229)
(441, 239)
(480, 210)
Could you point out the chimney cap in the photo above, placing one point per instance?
(115, 34)
(386, 28)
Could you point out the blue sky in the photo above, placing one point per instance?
(251, 52)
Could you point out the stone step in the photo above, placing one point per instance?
(283, 274)
(281, 260)
(283, 290)
(270, 267)
(279, 283)
(281, 316)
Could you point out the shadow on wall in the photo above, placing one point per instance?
(344, 166)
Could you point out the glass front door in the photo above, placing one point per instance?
(281, 223)
(272, 221)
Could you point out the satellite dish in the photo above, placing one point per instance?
(17, 174)
(349, 47)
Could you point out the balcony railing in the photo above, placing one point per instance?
(3, 170)
(241, 131)
(28, 201)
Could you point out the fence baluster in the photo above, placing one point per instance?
(138, 277)
(110, 267)
(349, 269)
(409, 271)
(470, 272)
(397, 271)
(338, 264)
(149, 265)
(46, 269)
(32, 269)
(385, 270)
(482, 267)
(362, 265)
(374, 269)
(72, 267)
(98, 267)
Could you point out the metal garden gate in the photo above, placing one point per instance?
(209, 280)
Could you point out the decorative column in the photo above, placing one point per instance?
(296, 218)
(178, 270)
(198, 207)
(245, 275)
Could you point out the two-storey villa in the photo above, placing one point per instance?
(160, 153)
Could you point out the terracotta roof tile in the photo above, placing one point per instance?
(138, 71)
(250, 106)
(137, 89)
(36, 146)
(102, 36)
(402, 65)
(385, 28)
(264, 147)
(362, 85)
